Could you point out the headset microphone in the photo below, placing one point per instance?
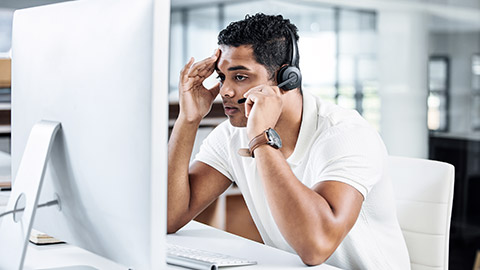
(289, 80)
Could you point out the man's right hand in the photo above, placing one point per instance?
(196, 100)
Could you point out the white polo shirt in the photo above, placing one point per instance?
(334, 144)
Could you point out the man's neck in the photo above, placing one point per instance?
(288, 125)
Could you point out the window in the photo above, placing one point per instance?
(475, 92)
(6, 17)
(438, 88)
(357, 64)
(193, 34)
(337, 47)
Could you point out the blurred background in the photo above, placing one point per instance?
(410, 67)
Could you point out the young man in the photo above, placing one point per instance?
(323, 194)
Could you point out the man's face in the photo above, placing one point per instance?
(238, 71)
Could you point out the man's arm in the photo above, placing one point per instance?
(313, 221)
(190, 190)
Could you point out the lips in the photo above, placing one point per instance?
(230, 110)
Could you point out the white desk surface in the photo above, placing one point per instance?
(193, 235)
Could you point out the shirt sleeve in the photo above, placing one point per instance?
(351, 154)
(214, 151)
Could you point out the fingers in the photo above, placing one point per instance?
(193, 74)
(257, 93)
(204, 68)
(276, 90)
(185, 69)
(265, 89)
(253, 89)
(249, 105)
(252, 95)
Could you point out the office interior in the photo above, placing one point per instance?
(410, 67)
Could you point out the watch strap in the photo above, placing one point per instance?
(259, 140)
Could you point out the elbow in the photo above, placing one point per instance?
(316, 254)
(176, 221)
(173, 226)
(313, 258)
(171, 229)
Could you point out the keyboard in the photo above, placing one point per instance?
(201, 259)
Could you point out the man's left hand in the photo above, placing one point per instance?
(263, 108)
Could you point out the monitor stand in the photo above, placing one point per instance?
(15, 228)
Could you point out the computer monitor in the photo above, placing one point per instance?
(100, 69)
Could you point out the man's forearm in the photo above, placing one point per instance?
(305, 218)
(180, 148)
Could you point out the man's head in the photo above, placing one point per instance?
(252, 51)
(267, 35)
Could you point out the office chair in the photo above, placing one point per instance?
(424, 194)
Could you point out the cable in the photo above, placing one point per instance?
(50, 203)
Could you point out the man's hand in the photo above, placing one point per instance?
(263, 108)
(196, 100)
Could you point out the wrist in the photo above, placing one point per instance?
(268, 137)
(251, 134)
(261, 150)
(188, 119)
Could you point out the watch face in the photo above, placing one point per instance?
(273, 138)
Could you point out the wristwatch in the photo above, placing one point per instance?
(269, 137)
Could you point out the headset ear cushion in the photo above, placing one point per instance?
(287, 72)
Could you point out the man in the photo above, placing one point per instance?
(323, 194)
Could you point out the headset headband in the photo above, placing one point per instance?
(293, 60)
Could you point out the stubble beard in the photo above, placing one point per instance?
(239, 122)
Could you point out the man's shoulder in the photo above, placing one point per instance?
(336, 123)
(337, 115)
(330, 115)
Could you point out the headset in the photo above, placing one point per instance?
(289, 77)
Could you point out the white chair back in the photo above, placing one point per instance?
(424, 193)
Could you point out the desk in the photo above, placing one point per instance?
(194, 235)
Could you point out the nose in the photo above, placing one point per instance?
(226, 90)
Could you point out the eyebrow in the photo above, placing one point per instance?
(240, 67)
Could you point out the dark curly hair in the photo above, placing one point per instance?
(267, 34)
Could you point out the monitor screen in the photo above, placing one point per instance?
(100, 68)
